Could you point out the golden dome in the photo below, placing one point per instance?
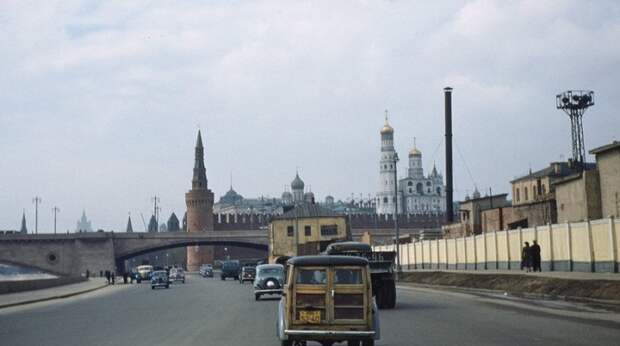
(386, 127)
(415, 152)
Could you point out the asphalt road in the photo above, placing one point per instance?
(212, 312)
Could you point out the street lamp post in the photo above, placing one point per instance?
(55, 210)
(36, 201)
(396, 229)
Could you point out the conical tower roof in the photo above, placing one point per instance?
(23, 229)
(129, 226)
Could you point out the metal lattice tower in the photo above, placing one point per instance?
(574, 103)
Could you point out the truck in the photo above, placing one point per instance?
(381, 269)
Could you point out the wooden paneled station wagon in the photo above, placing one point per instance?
(328, 299)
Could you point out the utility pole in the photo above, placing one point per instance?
(396, 229)
(36, 200)
(55, 210)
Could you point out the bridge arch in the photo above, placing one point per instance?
(120, 258)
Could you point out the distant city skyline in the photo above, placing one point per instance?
(100, 103)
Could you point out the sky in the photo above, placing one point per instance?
(100, 101)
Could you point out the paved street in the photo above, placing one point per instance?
(212, 312)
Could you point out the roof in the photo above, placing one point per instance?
(348, 246)
(613, 145)
(564, 170)
(297, 183)
(263, 266)
(307, 210)
(327, 260)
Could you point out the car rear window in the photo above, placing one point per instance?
(311, 277)
(347, 276)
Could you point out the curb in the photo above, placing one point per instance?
(61, 296)
(609, 304)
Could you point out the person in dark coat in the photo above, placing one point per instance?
(107, 276)
(526, 257)
(535, 249)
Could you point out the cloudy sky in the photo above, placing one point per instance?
(100, 101)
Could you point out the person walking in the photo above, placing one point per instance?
(113, 274)
(526, 257)
(107, 276)
(535, 249)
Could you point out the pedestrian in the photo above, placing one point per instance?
(113, 275)
(101, 273)
(535, 249)
(125, 277)
(526, 257)
(87, 273)
(108, 276)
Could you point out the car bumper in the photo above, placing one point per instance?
(344, 334)
(269, 291)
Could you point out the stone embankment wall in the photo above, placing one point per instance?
(29, 285)
(590, 246)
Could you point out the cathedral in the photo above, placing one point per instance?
(417, 194)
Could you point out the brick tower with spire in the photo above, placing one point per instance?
(199, 201)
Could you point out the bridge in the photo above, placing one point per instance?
(73, 254)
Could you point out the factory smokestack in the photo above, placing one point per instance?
(449, 182)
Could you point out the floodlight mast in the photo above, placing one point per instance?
(574, 103)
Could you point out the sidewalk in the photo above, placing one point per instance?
(13, 299)
(553, 274)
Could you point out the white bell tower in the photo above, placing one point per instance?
(386, 198)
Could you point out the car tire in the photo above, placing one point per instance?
(152, 287)
(256, 296)
(370, 342)
(353, 343)
(286, 343)
(168, 286)
(223, 278)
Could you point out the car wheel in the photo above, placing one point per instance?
(353, 343)
(223, 278)
(370, 342)
(286, 343)
(256, 296)
(152, 287)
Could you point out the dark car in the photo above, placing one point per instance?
(230, 269)
(269, 280)
(159, 278)
(247, 274)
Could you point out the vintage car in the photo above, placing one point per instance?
(269, 280)
(159, 278)
(328, 299)
(177, 274)
(247, 273)
(143, 272)
(206, 270)
(230, 269)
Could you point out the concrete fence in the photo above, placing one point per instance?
(590, 246)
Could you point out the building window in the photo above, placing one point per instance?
(385, 200)
(517, 195)
(428, 183)
(290, 231)
(307, 231)
(439, 191)
(410, 190)
(419, 188)
(525, 193)
(410, 183)
(329, 230)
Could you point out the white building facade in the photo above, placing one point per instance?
(417, 194)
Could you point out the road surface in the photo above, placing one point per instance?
(213, 312)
